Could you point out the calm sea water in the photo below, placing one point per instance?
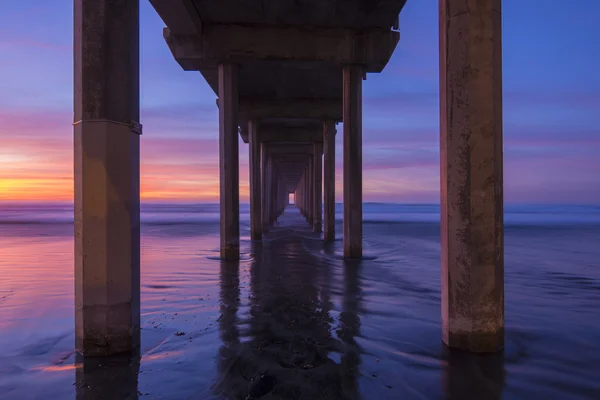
(293, 320)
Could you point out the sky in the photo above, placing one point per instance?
(551, 54)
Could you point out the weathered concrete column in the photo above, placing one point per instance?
(229, 162)
(352, 114)
(311, 190)
(298, 196)
(318, 185)
(272, 190)
(472, 233)
(107, 176)
(255, 187)
(304, 193)
(265, 186)
(329, 180)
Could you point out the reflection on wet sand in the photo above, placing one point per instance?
(107, 377)
(473, 376)
(288, 348)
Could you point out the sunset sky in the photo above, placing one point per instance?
(551, 109)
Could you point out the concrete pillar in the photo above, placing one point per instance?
(329, 181)
(229, 162)
(255, 187)
(275, 196)
(107, 176)
(272, 190)
(352, 114)
(311, 190)
(303, 191)
(472, 233)
(301, 187)
(264, 155)
(318, 185)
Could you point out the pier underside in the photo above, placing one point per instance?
(284, 74)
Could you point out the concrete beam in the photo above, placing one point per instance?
(289, 150)
(321, 109)
(220, 43)
(180, 15)
(290, 135)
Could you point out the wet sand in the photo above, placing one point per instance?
(293, 320)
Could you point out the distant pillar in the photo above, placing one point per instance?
(107, 177)
(305, 189)
(229, 162)
(318, 185)
(352, 114)
(265, 186)
(472, 233)
(311, 190)
(329, 181)
(302, 194)
(298, 196)
(272, 192)
(255, 187)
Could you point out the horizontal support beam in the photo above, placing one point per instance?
(180, 15)
(321, 109)
(289, 135)
(287, 149)
(221, 43)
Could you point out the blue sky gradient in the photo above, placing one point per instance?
(551, 54)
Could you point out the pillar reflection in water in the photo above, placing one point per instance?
(286, 346)
(349, 328)
(473, 376)
(228, 324)
(114, 377)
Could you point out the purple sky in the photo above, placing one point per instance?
(551, 107)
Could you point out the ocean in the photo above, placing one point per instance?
(292, 319)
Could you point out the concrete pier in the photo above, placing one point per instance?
(352, 87)
(318, 187)
(255, 182)
(329, 181)
(471, 175)
(282, 87)
(107, 177)
(229, 162)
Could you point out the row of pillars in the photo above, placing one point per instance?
(107, 174)
(269, 192)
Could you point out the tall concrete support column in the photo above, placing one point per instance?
(472, 228)
(229, 162)
(298, 196)
(302, 194)
(272, 190)
(303, 188)
(352, 115)
(311, 190)
(265, 185)
(255, 187)
(107, 176)
(329, 180)
(318, 185)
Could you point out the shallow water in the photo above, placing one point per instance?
(292, 319)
